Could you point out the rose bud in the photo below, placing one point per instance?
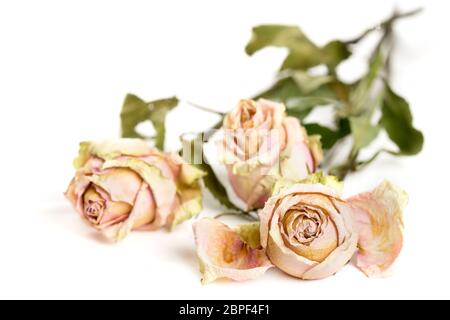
(378, 216)
(261, 145)
(224, 252)
(122, 185)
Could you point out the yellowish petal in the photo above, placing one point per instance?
(379, 220)
(224, 254)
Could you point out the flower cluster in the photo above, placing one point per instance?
(305, 228)
(308, 231)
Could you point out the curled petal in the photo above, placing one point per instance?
(254, 187)
(224, 254)
(315, 146)
(110, 149)
(121, 184)
(163, 163)
(143, 213)
(163, 189)
(341, 255)
(190, 175)
(378, 217)
(279, 253)
(188, 205)
(75, 192)
(83, 155)
(297, 149)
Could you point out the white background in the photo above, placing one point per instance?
(65, 67)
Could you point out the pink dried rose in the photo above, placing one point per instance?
(123, 185)
(224, 252)
(307, 229)
(378, 216)
(310, 232)
(261, 145)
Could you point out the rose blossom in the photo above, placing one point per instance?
(124, 184)
(261, 145)
(307, 230)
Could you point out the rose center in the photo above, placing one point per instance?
(94, 208)
(304, 225)
(247, 116)
(94, 205)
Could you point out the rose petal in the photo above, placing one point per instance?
(75, 192)
(254, 187)
(143, 213)
(341, 255)
(296, 152)
(280, 255)
(378, 216)
(110, 149)
(276, 110)
(121, 184)
(189, 204)
(223, 254)
(163, 189)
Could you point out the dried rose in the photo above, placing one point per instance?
(307, 229)
(261, 145)
(122, 185)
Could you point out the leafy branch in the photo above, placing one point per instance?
(354, 105)
(361, 110)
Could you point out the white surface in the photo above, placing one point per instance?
(65, 67)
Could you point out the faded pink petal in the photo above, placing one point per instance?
(163, 189)
(75, 192)
(297, 150)
(165, 164)
(223, 254)
(378, 216)
(142, 215)
(122, 184)
(254, 187)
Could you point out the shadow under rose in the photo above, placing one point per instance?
(188, 257)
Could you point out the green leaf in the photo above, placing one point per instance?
(135, 110)
(303, 53)
(300, 107)
(329, 137)
(397, 121)
(334, 52)
(299, 96)
(158, 112)
(290, 37)
(360, 97)
(282, 90)
(363, 131)
(308, 83)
